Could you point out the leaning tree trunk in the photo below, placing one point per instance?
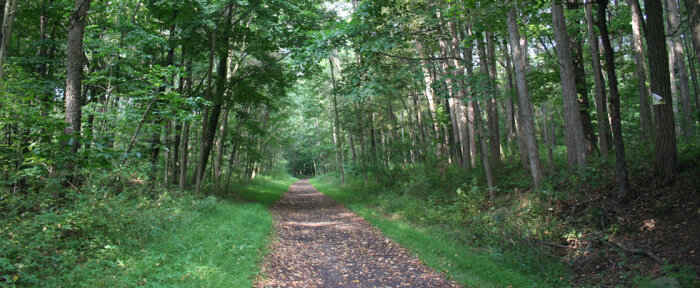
(209, 133)
(74, 77)
(524, 103)
(614, 100)
(666, 164)
(573, 128)
(600, 96)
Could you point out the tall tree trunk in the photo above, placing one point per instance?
(429, 93)
(199, 171)
(693, 9)
(493, 73)
(666, 164)
(576, 47)
(209, 133)
(74, 77)
(460, 109)
(671, 62)
(524, 104)
(484, 155)
(491, 104)
(679, 57)
(600, 93)
(471, 129)
(517, 120)
(331, 63)
(614, 100)
(641, 71)
(573, 128)
(449, 75)
(8, 20)
(508, 103)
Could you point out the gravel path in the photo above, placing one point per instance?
(320, 243)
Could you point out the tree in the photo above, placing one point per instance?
(524, 104)
(620, 156)
(676, 48)
(575, 143)
(8, 20)
(74, 76)
(666, 162)
(604, 136)
(641, 70)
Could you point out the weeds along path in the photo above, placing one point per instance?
(320, 243)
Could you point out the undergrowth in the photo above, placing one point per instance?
(475, 244)
(142, 236)
(519, 238)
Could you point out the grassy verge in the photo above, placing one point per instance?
(446, 246)
(218, 243)
(172, 241)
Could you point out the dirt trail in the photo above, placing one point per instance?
(320, 243)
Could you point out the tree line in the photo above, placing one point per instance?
(180, 93)
(486, 84)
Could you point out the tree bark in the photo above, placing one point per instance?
(508, 103)
(331, 63)
(600, 93)
(199, 171)
(679, 57)
(8, 20)
(693, 9)
(209, 132)
(429, 93)
(614, 100)
(491, 104)
(666, 162)
(641, 71)
(74, 77)
(576, 47)
(220, 142)
(573, 128)
(524, 103)
(449, 75)
(460, 109)
(471, 129)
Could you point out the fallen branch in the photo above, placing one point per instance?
(637, 251)
(558, 245)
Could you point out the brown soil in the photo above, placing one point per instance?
(320, 243)
(654, 232)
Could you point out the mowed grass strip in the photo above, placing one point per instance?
(435, 247)
(218, 243)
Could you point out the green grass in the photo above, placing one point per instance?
(217, 243)
(437, 246)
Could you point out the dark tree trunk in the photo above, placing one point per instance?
(614, 99)
(666, 164)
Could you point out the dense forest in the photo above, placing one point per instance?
(552, 139)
